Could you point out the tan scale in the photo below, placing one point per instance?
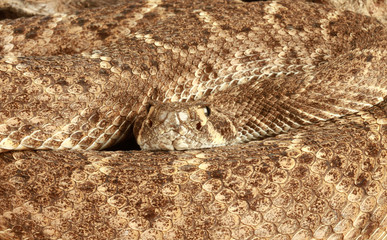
(301, 84)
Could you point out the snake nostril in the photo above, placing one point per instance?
(150, 123)
(198, 126)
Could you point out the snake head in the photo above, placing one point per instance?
(183, 126)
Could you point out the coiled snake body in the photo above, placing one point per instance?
(310, 73)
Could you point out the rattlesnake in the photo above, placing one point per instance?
(313, 74)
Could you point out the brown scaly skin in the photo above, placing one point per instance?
(374, 8)
(324, 181)
(89, 75)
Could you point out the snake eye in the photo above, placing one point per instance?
(207, 111)
(150, 123)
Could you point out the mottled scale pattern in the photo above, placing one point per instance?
(78, 81)
(326, 181)
(312, 73)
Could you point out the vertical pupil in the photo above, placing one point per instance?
(207, 111)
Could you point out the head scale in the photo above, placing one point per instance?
(183, 126)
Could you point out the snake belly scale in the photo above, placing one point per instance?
(305, 79)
